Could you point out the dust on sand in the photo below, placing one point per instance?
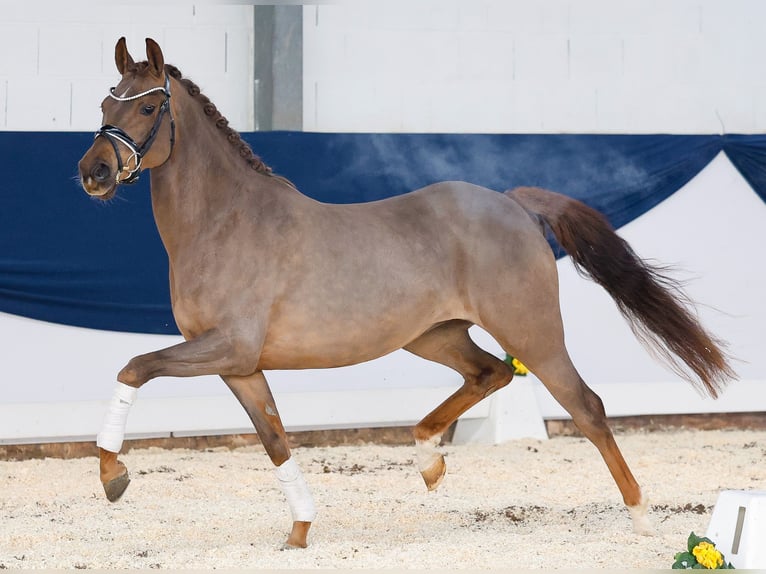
(521, 504)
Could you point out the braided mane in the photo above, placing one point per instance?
(232, 135)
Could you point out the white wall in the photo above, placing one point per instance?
(632, 66)
(57, 58)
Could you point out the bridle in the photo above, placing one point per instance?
(113, 134)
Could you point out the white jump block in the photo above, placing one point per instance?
(738, 527)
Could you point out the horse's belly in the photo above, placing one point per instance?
(337, 344)
(297, 354)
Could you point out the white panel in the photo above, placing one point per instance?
(638, 108)
(517, 17)
(542, 59)
(635, 16)
(484, 107)
(408, 57)
(338, 17)
(676, 54)
(352, 106)
(569, 107)
(727, 58)
(3, 106)
(734, 18)
(199, 48)
(659, 60)
(595, 59)
(76, 43)
(237, 104)
(759, 96)
(201, 55)
(18, 49)
(69, 50)
(484, 56)
(232, 15)
(38, 103)
(473, 15)
(87, 96)
(734, 109)
(420, 15)
(687, 49)
(528, 107)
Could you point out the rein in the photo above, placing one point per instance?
(115, 135)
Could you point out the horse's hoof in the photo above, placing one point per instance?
(298, 536)
(434, 474)
(115, 488)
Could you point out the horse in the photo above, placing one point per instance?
(263, 277)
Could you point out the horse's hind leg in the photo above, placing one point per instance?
(483, 373)
(255, 396)
(554, 368)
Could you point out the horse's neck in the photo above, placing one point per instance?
(197, 183)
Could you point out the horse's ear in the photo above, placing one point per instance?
(121, 57)
(155, 58)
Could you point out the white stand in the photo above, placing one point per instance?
(738, 527)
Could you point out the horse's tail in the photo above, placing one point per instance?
(654, 305)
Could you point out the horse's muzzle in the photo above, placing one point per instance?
(97, 178)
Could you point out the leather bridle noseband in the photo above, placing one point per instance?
(113, 134)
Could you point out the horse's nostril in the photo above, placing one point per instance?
(100, 172)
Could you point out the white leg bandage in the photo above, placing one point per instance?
(296, 491)
(113, 431)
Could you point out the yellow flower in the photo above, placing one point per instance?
(519, 368)
(707, 555)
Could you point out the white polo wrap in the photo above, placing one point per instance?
(113, 431)
(296, 491)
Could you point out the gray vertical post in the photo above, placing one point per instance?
(278, 61)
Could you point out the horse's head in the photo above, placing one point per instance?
(138, 131)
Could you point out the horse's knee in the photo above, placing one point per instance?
(131, 374)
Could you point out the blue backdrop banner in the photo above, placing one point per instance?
(71, 259)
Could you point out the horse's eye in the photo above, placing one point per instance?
(147, 110)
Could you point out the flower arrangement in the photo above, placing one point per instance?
(518, 366)
(701, 553)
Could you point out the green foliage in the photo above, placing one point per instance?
(688, 561)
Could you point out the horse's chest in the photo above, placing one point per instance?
(209, 298)
(198, 305)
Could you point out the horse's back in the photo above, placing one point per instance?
(491, 226)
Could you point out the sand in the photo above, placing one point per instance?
(523, 504)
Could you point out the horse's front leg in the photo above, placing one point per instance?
(209, 354)
(254, 394)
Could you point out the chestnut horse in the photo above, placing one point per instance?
(263, 277)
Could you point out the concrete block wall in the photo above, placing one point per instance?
(57, 59)
(603, 66)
